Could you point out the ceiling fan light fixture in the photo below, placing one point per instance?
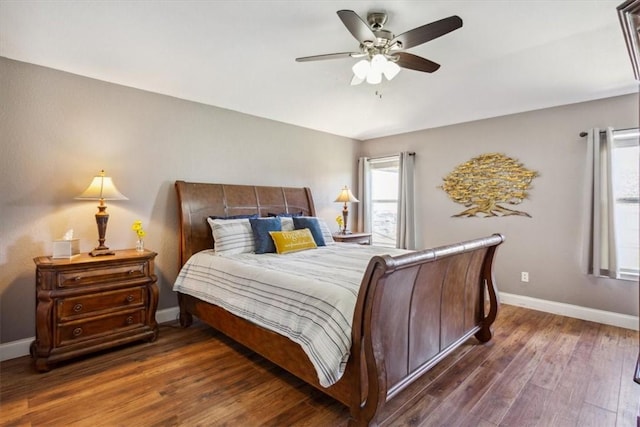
(391, 69)
(361, 69)
(378, 63)
(374, 77)
(372, 69)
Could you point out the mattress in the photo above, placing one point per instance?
(307, 296)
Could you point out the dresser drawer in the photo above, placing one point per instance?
(92, 328)
(74, 278)
(68, 308)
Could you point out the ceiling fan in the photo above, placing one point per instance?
(382, 51)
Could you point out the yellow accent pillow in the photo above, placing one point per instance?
(292, 241)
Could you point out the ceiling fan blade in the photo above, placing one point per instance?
(415, 62)
(356, 26)
(428, 32)
(329, 56)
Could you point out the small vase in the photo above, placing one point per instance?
(140, 245)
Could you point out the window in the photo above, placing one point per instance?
(625, 157)
(386, 208)
(384, 200)
(612, 195)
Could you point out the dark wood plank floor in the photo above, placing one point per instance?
(539, 370)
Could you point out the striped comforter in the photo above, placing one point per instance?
(307, 296)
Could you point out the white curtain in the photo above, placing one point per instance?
(364, 193)
(600, 246)
(406, 238)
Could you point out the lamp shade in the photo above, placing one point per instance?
(355, 80)
(391, 69)
(346, 196)
(378, 63)
(101, 188)
(361, 68)
(374, 77)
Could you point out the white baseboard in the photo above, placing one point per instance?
(14, 349)
(591, 314)
(167, 315)
(19, 348)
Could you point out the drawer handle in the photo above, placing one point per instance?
(76, 278)
(129, 298)
(77, 308)
(77, 332)
(129, 320)
(131, 271)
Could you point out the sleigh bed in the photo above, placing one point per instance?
(410, 312)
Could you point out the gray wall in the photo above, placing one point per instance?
(549, 244)
(57, 130)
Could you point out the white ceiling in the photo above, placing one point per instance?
(509, 56)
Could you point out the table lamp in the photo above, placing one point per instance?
(101, 188)
(344, 197)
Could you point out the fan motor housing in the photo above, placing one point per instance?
(383, 37)
(376, 19)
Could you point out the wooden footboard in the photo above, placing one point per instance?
(414, 309)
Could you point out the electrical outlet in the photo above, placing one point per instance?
(524, 276)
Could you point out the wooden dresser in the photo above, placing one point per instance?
(87, 304)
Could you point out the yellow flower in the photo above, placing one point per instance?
(339, 220)
(137, 227)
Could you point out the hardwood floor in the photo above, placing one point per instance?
(539, 370)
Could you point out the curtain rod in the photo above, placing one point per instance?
(411, 153)
(583, 133)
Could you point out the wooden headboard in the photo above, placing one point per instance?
(198, 201)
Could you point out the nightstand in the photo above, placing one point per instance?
(360, 238)
(86, 304)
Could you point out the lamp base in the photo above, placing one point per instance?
(101, 252)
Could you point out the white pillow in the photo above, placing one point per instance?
(287, 223)
(326, 232)
(232, 236)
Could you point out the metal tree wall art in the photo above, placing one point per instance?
(485, 182)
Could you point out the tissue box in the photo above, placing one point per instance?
(66, 248)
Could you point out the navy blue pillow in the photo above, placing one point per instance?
(261, 237)
(246, 216)
(310, 222)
